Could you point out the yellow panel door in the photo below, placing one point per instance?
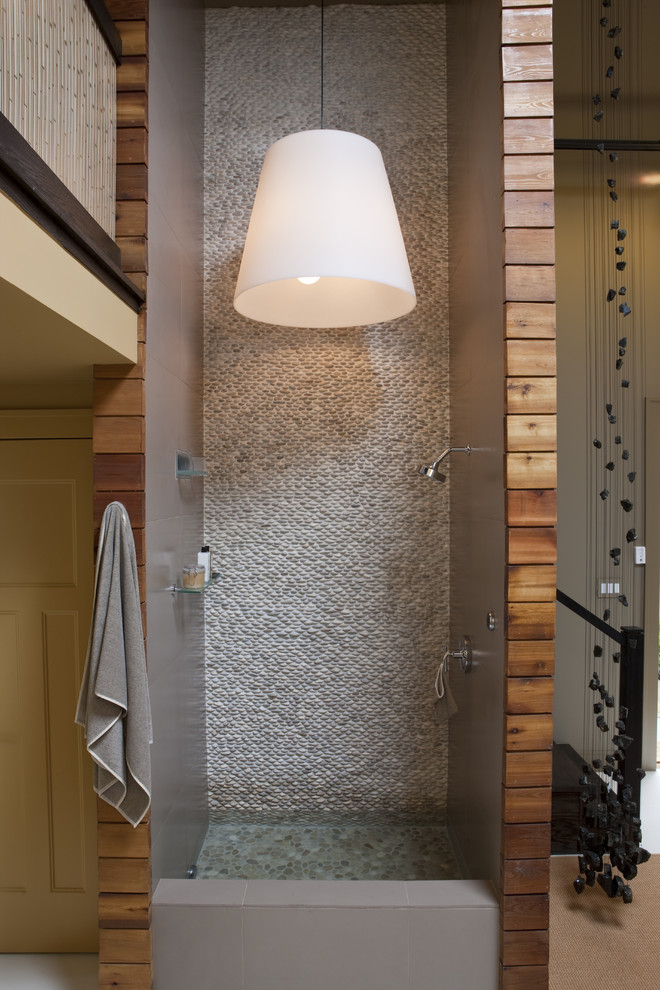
(48, 870)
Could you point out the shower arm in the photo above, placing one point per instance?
(450, 450)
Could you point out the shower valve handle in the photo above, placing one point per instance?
(463, 655)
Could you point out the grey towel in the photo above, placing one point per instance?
(114, 705)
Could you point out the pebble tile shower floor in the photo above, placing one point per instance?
(346, 852)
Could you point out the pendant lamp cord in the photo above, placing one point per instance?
(322, 32)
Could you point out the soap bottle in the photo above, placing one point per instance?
(204, 558)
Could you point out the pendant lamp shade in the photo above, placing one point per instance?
(324, 213)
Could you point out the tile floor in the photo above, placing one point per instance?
(346, 852)
(46, 971)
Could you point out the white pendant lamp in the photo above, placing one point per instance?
(324, 246)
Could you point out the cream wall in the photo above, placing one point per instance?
(588, 331)
(174, 526)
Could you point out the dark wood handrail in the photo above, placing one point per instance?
(25, 178)
(589, 617)
(107, 27)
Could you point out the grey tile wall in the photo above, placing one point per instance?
(174, 515)
(326, 629)
(277, 935)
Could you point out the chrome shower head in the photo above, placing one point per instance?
(431, 471)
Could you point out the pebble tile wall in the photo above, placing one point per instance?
(330, 618)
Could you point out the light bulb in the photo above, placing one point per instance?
(309, 279)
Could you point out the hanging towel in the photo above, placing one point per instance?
(113, 706)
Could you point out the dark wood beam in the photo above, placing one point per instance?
(32, 185)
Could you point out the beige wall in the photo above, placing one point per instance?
(174, 525)
(588, 330)
(477, 373)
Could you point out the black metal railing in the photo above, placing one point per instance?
(631, 688)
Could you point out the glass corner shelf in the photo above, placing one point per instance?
(187, 466)
(176, 590)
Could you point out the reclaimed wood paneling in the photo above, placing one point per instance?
(530, 319)
(531, 357)
(124, 876)
(131, 145)
(530, 477)
(529, 695)
(123, 840)
(530, 470)
(119, 474)
(531, 620)
(531, 433)
(531, 508)
(527, 26)
(532, 545)
(131, 109)
(139, 279)
(106, 813)
(131, 219)
(133, 253)
(530, 948)
(533, 136)
(523, 62)
(124, 910)
(127, 10)
(529, 172)
(131, 181)
(130, 945)
(526, 804)
(133, 36)
(119, 397)
(530, 283)
(525, 978)
(525, 841)
(531, 583)
(528, 99)
(529, 246)
(121, 976)
(527, 876)
(529, 209)
(133, 501)
(528, 732)
(530, 658)
(525, 911)
(528, 769)
(531, 395)
(132, 74)
(119, 434)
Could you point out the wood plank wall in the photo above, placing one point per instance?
(119, 473)
(530, 478)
